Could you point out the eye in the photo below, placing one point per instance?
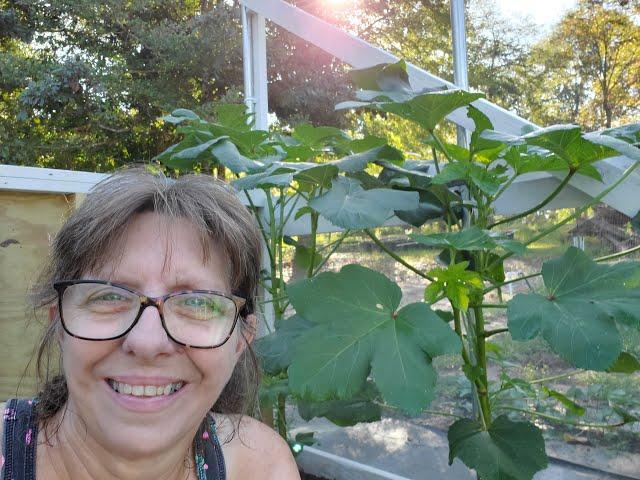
(109, 297)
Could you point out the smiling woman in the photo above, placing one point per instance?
(150, 292)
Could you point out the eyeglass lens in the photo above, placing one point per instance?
(99, 311)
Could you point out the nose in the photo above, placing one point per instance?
(148, 338)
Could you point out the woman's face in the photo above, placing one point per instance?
(157, 258)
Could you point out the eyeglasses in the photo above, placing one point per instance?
(100, 310)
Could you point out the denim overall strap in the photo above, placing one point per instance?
(20, 439)
(209, 458)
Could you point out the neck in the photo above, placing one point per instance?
(73, 454)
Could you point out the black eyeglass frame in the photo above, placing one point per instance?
(146, 301)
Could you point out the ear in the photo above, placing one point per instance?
(53, 313)
(247, 333)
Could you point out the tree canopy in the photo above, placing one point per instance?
(82, 84)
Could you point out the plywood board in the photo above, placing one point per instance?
(28, 222)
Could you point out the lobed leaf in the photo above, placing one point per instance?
(359, 332)
(507, 450)
(578, 315)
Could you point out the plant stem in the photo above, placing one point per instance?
(481, 357)
(435, 159)
(492, 305)
(274, 260)
(540, 205)
(556, 377)
(618, 255)
(489, 333)
(504, 187)
(262, 229)
(431, 412)
(336, 245)
(441, 145)
(563, 420)
(282, 419)
(398, 259)
(581, 210)
(500, 285)
(314, 230)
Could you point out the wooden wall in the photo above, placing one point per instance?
(28, 221)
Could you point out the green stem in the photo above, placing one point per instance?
(581, 210)
(481, 355)
(556, 377)
(435, 159)
(504, 188)
(431, 412)
(490, 333)
(398, 259)
(441, 145)
(273, 258)
(563, 420)
(540, 205)
(618, 255)
(336, 245)
(491, 305)
(262, 229)
(282, 419)
(314, 233)
(288, 216)
(500, 285)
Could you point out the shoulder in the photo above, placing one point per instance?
(254, 450)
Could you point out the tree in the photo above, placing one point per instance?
(588, 69)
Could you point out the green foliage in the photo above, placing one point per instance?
(578, 314)
(370, 336)
(506, 450)
(350, 347)
(348, 205)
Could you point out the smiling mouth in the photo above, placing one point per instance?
(144, 390)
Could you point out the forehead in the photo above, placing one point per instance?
(156, 248)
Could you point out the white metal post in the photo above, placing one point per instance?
(254, 52)
(460, 65)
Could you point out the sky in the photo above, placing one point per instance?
(545, 12)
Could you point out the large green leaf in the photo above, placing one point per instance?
(383, 77)
(227, 154)
(470, 239)
(578, 314)
(525, 159)
(629, 133)
(359, 161)
(568, 143)
(361, 332)
(276, 175)
(275, 350)
(317, 137)
(621, 146)
(348, 205)
(625, 363)
(506, 451)
(412, 174)
(360, 408)
(489, 181)
(429, 109)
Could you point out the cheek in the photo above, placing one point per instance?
(80, 359)
(216, 366)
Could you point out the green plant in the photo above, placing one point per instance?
(349, 347)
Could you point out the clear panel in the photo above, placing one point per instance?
(199, 319)
(98, 311)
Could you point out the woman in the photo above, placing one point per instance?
(150, 293)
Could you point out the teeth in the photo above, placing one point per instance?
(145, 390)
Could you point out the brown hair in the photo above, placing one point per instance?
(87, 240)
